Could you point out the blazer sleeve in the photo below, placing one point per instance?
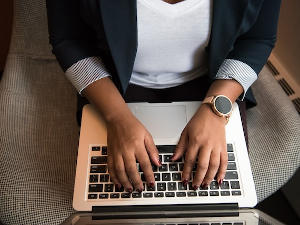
(253, 48)
(74, 43)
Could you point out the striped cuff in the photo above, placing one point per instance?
(239, 71)
(85, 72)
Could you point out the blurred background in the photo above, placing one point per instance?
(285, 64)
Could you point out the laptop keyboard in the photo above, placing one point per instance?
(168, 178)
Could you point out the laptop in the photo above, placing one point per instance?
(169, 200)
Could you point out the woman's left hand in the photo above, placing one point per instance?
(203, 138)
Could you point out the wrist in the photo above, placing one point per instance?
(208, 111)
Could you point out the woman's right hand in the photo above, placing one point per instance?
(128, 141)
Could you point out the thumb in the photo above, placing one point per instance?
(152, 150)
(181, 146)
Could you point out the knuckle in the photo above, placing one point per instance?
(189, 161)
(202, 166)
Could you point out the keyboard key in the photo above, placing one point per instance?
(157, 176)
(231, 175)
(93, 178)
(181, 186)
(114, 195)
(214, 185)
(181, 165)
(229, 148)
(104, 150)
(166, 176)
(176, 176)
(180, 194)
(136, 195)
(236, 192)
(214, 193)
(98, 169)
(225, 193)
(192, 193)
(235, 185)
(125, 195)
(202, 193)
(191, 186)
(173, 167)
(231, 166)
(161, 186)
(121, 189)
(226, 223)
(103, 196)
(170, 194)
(231, 157)
(215, 223)
(109, 188)
(225, 185)
(172, 186)
(149, 188)
(143, 178)
(96, 148)
(238, 223)
(194, 167)
(163, 168)
(203, 188)
(92, 196)
(95, 187)
(166, 148)
(167, 158)
(104, 178)
(158, 194)
(99, 160)
(154, 168)
(147, 194)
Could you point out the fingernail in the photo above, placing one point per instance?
(195, 187)
(151, 184)
(185, 181)
(119, 186)
(159, 162)
(220, 181)
(129, 190)
(204, 185)
(139, 190)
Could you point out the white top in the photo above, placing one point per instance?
(171, 42)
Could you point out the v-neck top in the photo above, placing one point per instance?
(171, 42)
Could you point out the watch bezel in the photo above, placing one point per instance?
(215, 108)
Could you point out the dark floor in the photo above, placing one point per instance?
(278, 207)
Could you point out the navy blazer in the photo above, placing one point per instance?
(243, 30)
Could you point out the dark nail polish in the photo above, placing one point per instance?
(195, 187)
(159, 162)
(139, 190)
(204, 185)
(129, 190)
(151, 184)
(220, 181)
(185, 181)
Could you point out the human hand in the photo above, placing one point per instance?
(128, 141)
(203, 138)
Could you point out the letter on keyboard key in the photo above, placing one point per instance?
(109, 188)
(96, 148)
(192, 193)
(225, 185)
(181, 186)
(158, 194)
(231, 157)
(229, 148)
(93, 178)
(99, 160)
(180, 194)
(161, 186)
(136, 195)
(214, 185)
(176, 176)
(92, 196)
(149, 188)
(157, 176)
(170, 194)
(231, 166)
(104, 178)
(147, 194)
(225, 193)
(104, 150)
(167, 158)
(103, 196)
(166, 176)
(98, 169)
(95, 187)
(231, 175)
(235, 185)
(114, 195)
(163, 168)
(214, 193)
(172, 186)
(125, 195)
(236, 192)
(173, 167)
(202, 193)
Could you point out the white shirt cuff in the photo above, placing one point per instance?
(239, 71)
(85, 72)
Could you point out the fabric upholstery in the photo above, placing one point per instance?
(39, 134)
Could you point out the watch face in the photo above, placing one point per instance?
(223, 105)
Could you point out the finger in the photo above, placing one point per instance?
(132, 172)
(223, 166)
(189, 161)
(145, 164)
(212, 168)
(111, 171)
(181, 146)
(152, 150)
(203, 162)
(121, 174)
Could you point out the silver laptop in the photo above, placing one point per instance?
(94, 191)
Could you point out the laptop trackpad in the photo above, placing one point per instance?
(162, 121)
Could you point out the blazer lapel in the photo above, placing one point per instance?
(120, 26)
(227, 19)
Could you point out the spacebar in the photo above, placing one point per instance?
(166, 148)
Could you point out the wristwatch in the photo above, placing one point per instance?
(220, 104)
